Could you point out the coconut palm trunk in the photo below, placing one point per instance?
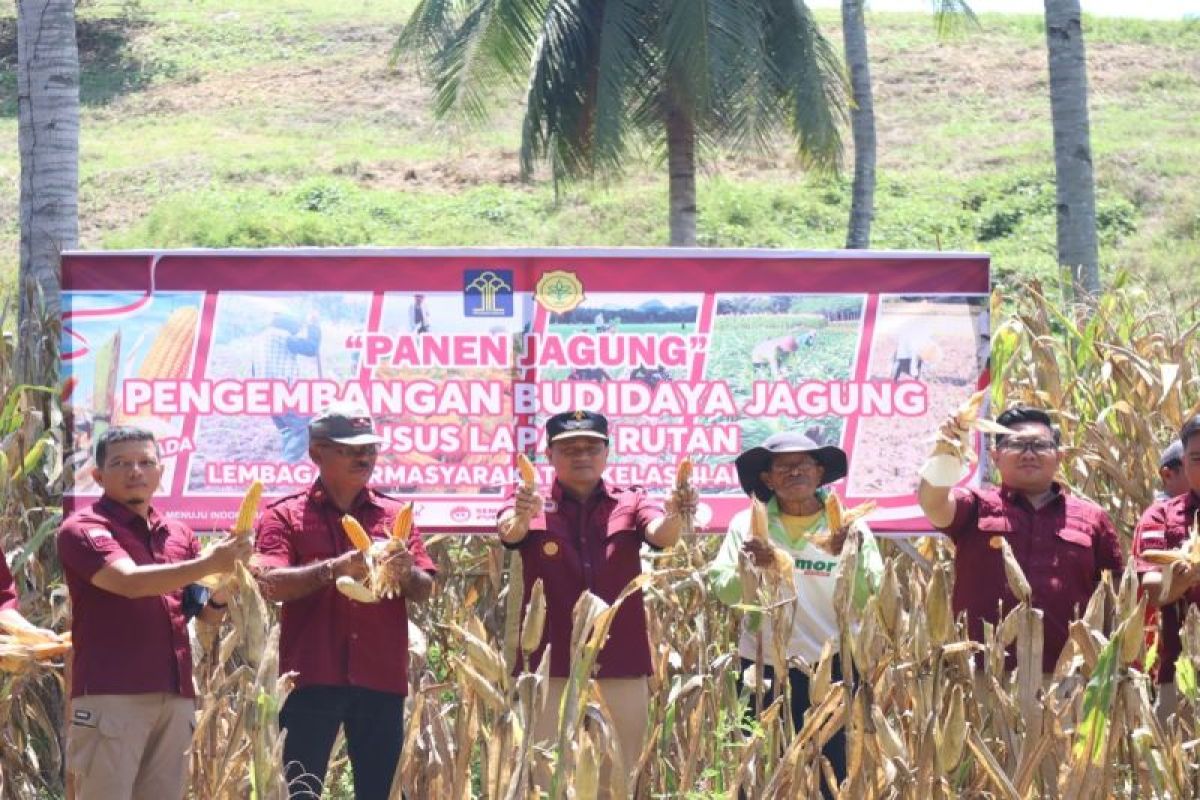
(862, 125)
(681, 170)
(48, 139)
(1075, 182)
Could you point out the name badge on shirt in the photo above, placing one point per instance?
(99, 533)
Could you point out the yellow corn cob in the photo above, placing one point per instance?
(528, 473)
(356, 534)
(402, 524)
(172, 347)
(833, 512)
(758, 520)
(683, 473)
(248, 510)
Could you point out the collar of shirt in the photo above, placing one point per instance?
(559, 493)
(126, 516)
(319, 494)
(1011, 495)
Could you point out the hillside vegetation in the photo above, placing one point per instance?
(245, 123)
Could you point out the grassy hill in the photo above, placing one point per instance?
(248, 123)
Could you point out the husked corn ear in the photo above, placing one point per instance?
(356, 534)
(758, 520)
(683, 473)
(833, 512)
(169, 353)
(1164, 558)
(248, 510)
(528, 473)
(402, 524)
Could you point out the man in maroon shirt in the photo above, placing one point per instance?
(351, 658)
(1062, 542)
(588, 536)
(132, 699)
(1166, 525)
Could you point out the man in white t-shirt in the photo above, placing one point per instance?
(787, 473)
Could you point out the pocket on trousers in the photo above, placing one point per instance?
(87, 733)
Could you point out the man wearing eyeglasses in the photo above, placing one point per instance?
(350, 658)
(133, 702)
(588, 536)
(1062, 542)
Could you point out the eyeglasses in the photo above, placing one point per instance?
(352, 451)
(1038, 447)
(124, 465)
(794, 467)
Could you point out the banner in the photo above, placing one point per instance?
(461, 355)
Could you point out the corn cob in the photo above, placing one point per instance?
(782, 567)
(683, 473)
(169, 354)
(683, 482)
(402, 524)
(248, 510)
(953, 455)
(356, 534)
(527, 471)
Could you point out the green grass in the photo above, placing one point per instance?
(226, 123)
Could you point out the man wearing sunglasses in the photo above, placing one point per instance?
(1062, 542)
(350, 658)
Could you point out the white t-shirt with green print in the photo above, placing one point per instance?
(816, 573)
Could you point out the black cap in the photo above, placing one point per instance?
(756, 460)
(344, 423)
(1172, 456)
(576, 423)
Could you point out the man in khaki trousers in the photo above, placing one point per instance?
(133, 703)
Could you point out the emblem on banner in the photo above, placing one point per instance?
(559, 291)
(488, 292)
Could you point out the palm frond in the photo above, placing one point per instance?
(952, 16)
(619, 61)
(489, 49)
(430, 25)
(559, 99)
(811, 80)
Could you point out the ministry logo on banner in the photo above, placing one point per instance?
(488, 292)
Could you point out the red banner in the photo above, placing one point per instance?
(462, 355)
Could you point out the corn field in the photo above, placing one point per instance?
(928, 713)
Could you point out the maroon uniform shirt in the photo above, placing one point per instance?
(325, 637)
(123, 645)
(1062, 547)
(1165, 526)
(8, 589)
(593, 545)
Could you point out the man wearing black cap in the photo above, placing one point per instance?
(350, 658)
(787, 472)
(1167, 525)
(1170, 472)
(588, 536)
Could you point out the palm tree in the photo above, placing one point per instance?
(48, 139)
(1074, 179)
(677, 73)
(862, 109)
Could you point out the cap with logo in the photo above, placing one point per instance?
(344, 423)
(571, 424)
